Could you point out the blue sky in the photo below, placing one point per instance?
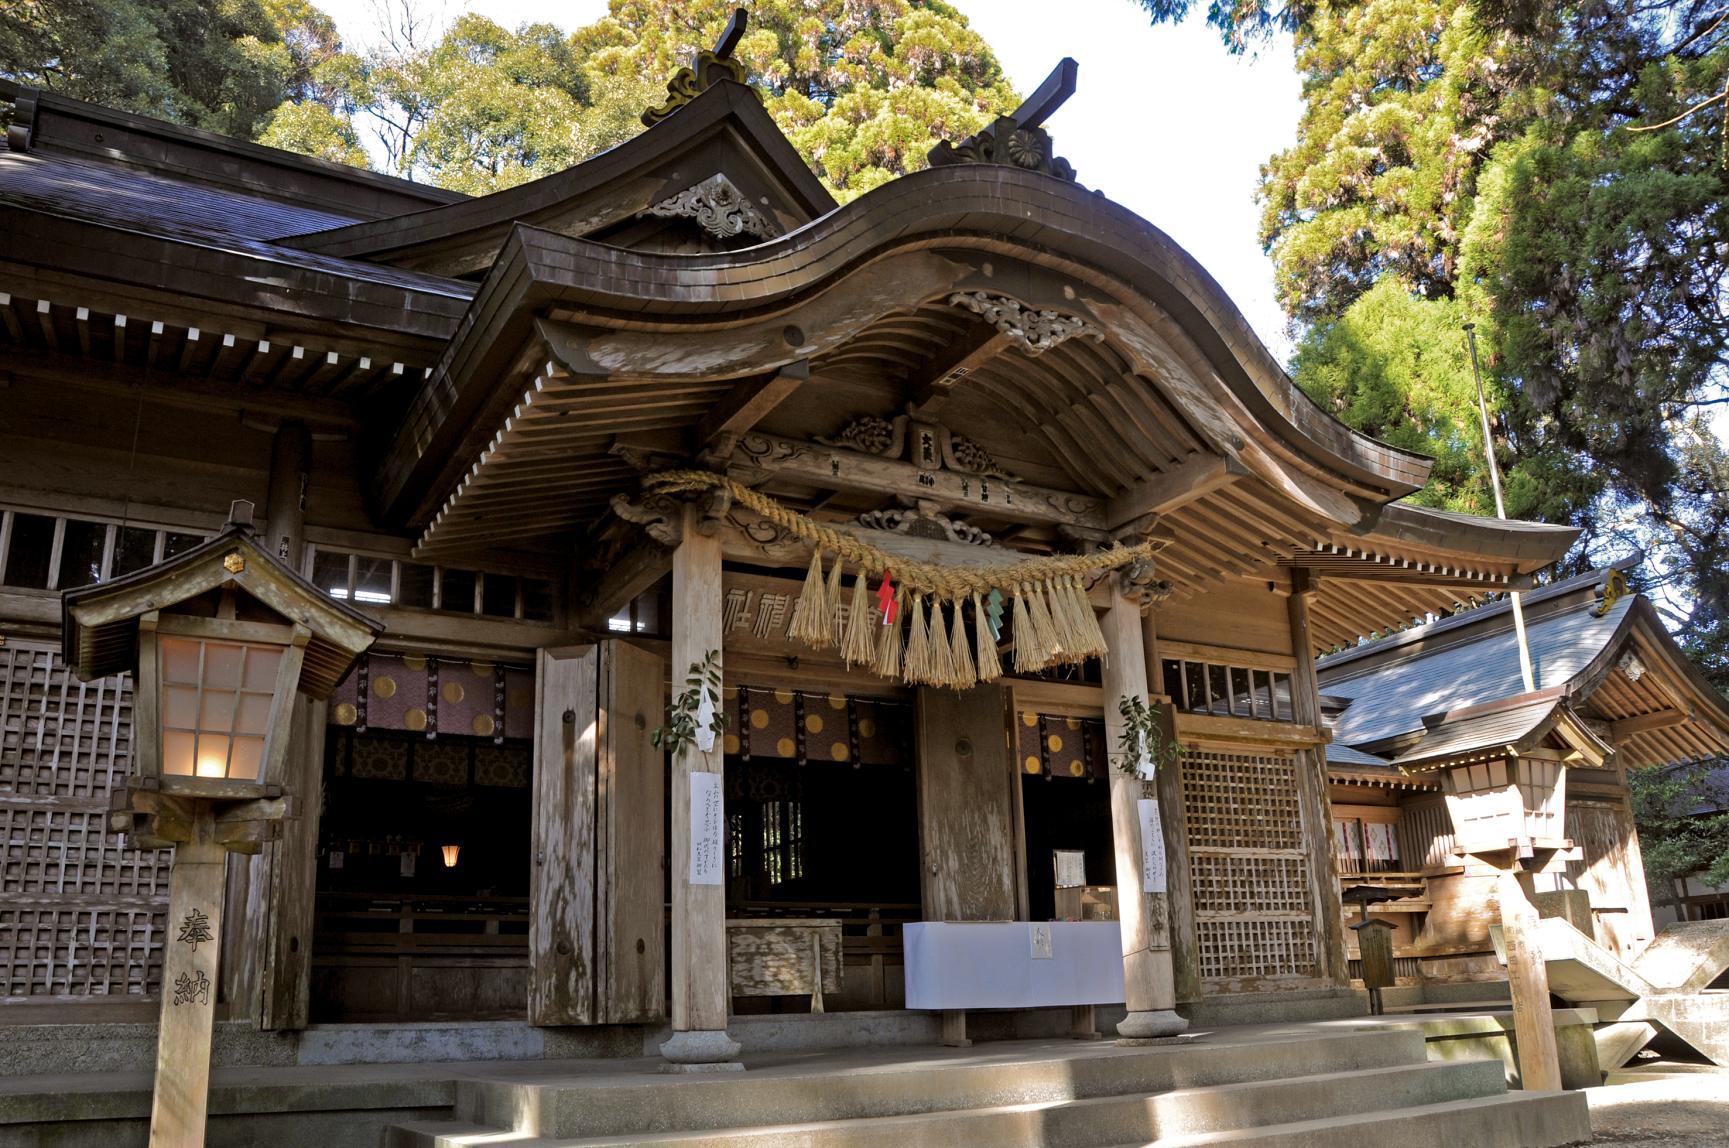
(1164, 121)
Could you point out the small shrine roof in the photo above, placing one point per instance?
(1400, 686)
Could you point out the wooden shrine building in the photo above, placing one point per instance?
(1609, 678)
(905, 497)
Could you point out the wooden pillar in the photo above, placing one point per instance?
(699, 974)
(1313, 803)
(1641, 927)
(1179, 898)
(189, 971)
(1143, 916)
(285, 879)
(1528, 978)
(250, 973)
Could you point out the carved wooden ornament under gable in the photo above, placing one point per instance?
(719, 208)
(928, 445)
(1033, 329)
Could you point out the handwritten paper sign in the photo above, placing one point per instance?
(707, 830)
(1039, 933)
(1071, 866)
(1152, 847)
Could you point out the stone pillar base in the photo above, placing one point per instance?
(1151, 1025)
(709, 1050)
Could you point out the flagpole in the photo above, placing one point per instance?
(1500, 508)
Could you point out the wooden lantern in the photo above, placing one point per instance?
(220, 639)
(1516, 803)
(1503, 767)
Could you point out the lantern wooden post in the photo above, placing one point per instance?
(1144, 917)
(189, 962)
(1528, 982)
(211, 719)
(699, 990)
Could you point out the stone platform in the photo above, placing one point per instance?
(1285, 1085)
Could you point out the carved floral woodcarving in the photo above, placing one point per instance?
(1033, 329)
(719, 208)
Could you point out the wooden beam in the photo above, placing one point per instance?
(748, 403)
(981, 344)
(1049, 96)
(1166, 491)
(627, 576)
(762, 456)
(1625, 728)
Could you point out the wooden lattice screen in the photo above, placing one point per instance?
(1249, 867)
(79, 916)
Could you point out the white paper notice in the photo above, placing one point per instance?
(1152, 847)
(707, 829)
(1039, 932)
(1071, 867)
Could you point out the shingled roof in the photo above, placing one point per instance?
(1447, 686)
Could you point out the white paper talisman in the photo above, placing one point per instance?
(705, 722)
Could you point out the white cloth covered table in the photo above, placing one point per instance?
(992, 964)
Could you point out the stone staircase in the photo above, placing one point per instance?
(1665, 986)
(1285, 1088)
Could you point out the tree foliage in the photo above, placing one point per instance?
(223, 65)
(1683, 819)
(1533, 169)
(862, 89)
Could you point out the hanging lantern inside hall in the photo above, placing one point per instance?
(451, 853)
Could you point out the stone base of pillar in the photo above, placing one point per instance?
(710, 1050)
(1151, 1025)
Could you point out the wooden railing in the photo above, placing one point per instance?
(373, 925)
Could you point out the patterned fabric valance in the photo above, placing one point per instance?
(430, 695)
(823, 727)
(1058, 746)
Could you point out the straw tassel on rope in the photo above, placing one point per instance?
(942, 654)
(831, 602)
(1046, 644)
(1023, 633)
(859, 645)
(990, 663)
(961, 654)
(813, 622)
(889, 653)
(917, 667)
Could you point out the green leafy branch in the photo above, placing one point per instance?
(681, 728)
(1141, 728)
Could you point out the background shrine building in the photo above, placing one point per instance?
(458, 416)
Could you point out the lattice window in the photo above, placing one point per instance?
(1248, 866)
(79, 916)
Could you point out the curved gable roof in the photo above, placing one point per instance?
(724, 130)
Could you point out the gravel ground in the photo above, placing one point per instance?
(1685, 1110)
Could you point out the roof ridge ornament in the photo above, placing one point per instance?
(707, 68)
(1018, 139)
(1033, 329)
(719, 208)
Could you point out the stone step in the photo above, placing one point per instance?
(1294, 1106)
(782, 1096)
(1105, 1120)
(1511, 1120)
(450, 1134)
